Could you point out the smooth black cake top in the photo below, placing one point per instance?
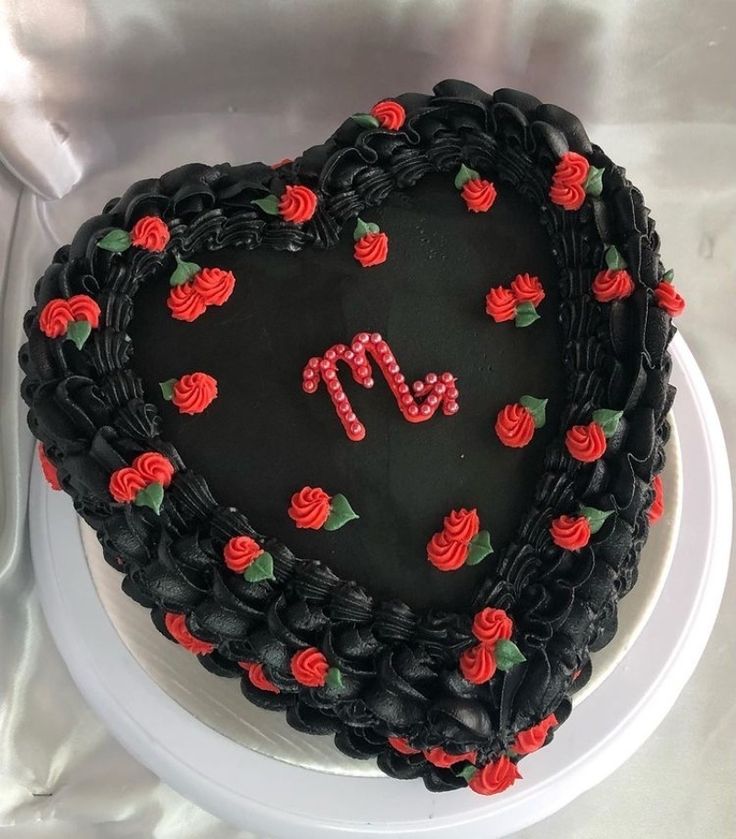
(376, 430)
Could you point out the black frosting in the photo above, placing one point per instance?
(94, 410)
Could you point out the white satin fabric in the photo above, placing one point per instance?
(96, 94)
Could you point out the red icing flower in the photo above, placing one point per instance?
(568, 181)
(527, 289)
(185, 302)
(437, 756)
(150, 233)
(371, 249)
(533, 738)
(177, 627)
(501, 304)
(240, 552)
(85, 308)
(193, 392)
(586, 443)
(669, 299)
(309, 667)
(310, 508)
(257, 676)
(297, 204)
(446, 553)
(494, 777)
(478, 194)
(514, 426)
(48, 468)
(655, 512)
(154, 468)
(461, 525)
(55, 318)
(492, 625)
(570, 532)
(402, 746)
(214, 285)
(125, 484)
(389, 113)
(477, 664)
(612, 284)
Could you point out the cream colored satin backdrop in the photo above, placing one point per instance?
(95, 94)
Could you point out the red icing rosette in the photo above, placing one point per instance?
(445, 553)
(570, 532)
(371, 249)
(309, 508)
(194, 392)
(501, 304)
(55, 318)
(438, 757)
(85, 308)
(527, 288)
(389, 113)
(494, 777)
(402, 746)
(150, 233)
(154, 468)
(298, 204)
(214, 285)
(478, 194)
(477, 664)
(240, 552)
(185, 302)
(48, 468)
(568, 182)
(514, 426)
(491, 625)
(461, 525)
(656, 510)
(309, 667)
(177, 627)
(668, 298)
(612, 284)
(586, 443)
(257, 676)
(125, 484)
(533, 738)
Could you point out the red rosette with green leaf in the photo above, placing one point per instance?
(297, 204)
(495, 650)
(313, 509)
(571, 533)
(573, 179)
(149, 233)
(517, 303)
(192, 393)
(614, 282)
(371, 245)
(492, 778)
(143, 482)
(311, 669)
(460, 542)
(243, 555)
(517, 422)
(387, 114)
(587, 443)
(478, 193)
(667, 297)
(73, 318)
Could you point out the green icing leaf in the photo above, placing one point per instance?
(526, 314)
(507, 654)
(184, 271)
(595, 517)
(363, 228)
(78, 331)
(366, 120)
(669, 276)
(269, 204)
(537, 408)
(340, 513)
(608, 420)
(151, 496)
(594, 181)
(464, 175)
(466, 772)
(334, 678)
(116, 241)
(167, 389)
(260, 569)
(614, 260)
(479, 549)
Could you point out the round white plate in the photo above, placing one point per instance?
(282, 800)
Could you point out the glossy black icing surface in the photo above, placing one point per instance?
(399, 665)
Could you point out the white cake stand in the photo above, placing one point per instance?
(281, 800)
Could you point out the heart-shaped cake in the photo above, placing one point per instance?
(377, 430)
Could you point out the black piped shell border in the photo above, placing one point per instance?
(399, 667)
